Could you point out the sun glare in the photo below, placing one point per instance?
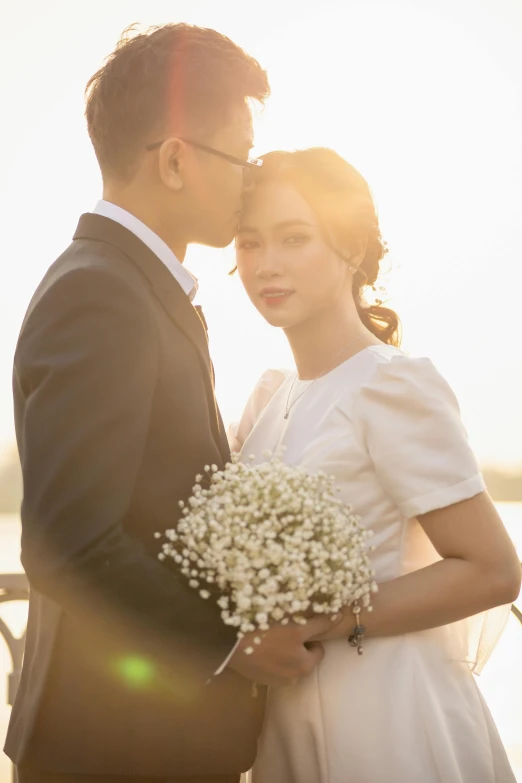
(423, 99)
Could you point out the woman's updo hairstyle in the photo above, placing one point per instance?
(342, 202)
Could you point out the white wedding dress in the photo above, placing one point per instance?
(408, 710)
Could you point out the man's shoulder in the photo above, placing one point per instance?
(90, 259)
(88, 265)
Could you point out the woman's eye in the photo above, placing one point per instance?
(247, 244)
(296, 239)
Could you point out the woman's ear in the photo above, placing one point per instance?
(355, 257)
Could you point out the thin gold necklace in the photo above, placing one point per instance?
(328, 366)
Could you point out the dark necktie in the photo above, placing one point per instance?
(202, 316)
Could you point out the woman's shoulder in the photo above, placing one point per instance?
(270, 381)
(380, 361)
(394, 383)
(388, 365)
(387, 375)
(267, 385)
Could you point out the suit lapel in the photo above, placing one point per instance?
(166, 289)
(181, 310)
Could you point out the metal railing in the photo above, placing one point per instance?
(15, 587)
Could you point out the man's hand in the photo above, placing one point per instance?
(281, 658)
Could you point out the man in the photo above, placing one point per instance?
(129, 674)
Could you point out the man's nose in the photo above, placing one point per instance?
(248, 185)
(250, 175)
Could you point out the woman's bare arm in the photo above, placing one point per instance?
(479, 569)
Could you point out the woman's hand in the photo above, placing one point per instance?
(346, 622)
(286, 652)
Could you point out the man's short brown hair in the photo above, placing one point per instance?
(177, 76)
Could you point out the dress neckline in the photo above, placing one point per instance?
(363, 351)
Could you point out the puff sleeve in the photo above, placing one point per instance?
(409, 421)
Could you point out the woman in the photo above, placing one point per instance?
(388, 428)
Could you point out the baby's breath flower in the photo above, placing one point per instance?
(274, 541)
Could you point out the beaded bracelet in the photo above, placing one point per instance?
(356, 638)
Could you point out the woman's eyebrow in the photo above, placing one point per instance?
(278, 226)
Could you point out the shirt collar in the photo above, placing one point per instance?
(160, 249)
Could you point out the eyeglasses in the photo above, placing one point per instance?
(251, 163)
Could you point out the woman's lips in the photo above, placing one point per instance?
(274, 297)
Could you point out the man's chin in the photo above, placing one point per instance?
(222, 235)
(219, 239)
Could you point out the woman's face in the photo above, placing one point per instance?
(289, 272)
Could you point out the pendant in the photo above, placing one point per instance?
(287, 414)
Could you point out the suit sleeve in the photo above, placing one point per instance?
(84, 378)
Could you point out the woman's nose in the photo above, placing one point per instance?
(267, 265)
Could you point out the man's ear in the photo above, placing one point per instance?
(171, 159)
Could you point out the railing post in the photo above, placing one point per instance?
(13, 587)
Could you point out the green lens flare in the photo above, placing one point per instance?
(137, 672)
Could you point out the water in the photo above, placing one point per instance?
(501, 681)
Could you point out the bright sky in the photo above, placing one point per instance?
(425, 98)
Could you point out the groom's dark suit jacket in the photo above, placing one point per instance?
(115, 415)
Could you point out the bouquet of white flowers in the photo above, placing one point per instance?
(272, 543)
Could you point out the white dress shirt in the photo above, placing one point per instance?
(160, 249)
